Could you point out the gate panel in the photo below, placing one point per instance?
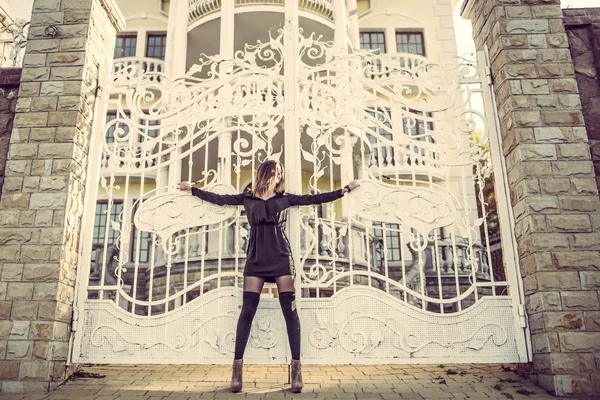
(408, 268)
(166, 268)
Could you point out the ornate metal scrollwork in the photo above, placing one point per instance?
(168, 213)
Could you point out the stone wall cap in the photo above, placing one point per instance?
(581, 16)
(114, 14)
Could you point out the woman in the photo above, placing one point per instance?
(268, 256)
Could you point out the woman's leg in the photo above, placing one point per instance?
(252, 287)
(287, 300)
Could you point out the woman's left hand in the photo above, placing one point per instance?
(185, 186)
(353, 185)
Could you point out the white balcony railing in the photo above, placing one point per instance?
(406, 160)
(394, 66)
(201, 8)
(136, 66)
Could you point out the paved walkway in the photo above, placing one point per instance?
(182, 382)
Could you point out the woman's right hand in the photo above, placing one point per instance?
(353, 185)
(186, 186)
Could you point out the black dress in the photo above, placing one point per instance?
(268, 254)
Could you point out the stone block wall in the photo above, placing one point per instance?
(9, 87)
(553, 189)
(43, 194)
(583, 31)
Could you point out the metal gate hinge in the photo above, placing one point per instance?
(488, 75)
(522, 316)
(75, 319)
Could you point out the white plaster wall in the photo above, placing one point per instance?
(143, 17)
(432, 17)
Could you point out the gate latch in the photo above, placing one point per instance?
(75, 319)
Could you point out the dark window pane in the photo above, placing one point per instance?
(141, 237)
(156, 46)
(110, 132)
(410, 42)
(372, 41)
(417, 127)
(102, 223)
(392, 242)
(125, 46)
(149, 132)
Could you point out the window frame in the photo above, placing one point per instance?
(371, 32)
(393, 243)
(409, 33)
(125, 35)
(421, 127)
(106, 221)
(162, 34)
(143, 236)
(126, 114)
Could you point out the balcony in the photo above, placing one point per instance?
(134, 67)
(199, 9)
(406, 161)
(394, 66)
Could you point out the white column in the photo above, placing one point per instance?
(171, 36)
(177, 28)
(347, 167)
(140, 44)
(179, 63)
(340, 37)
(224, 157)
(176, 65)
(227, 28)
(293, 166)
(353, 22)
(226, 51)
(341, 46)
(390, 40)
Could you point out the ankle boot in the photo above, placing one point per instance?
(236, 375)
(297, 383)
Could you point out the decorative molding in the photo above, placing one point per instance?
(160, 18)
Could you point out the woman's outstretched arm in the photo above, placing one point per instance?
(308, 199)
(219, 199)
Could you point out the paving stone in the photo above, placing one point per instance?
(331, 382)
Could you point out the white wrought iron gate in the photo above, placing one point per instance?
(416, 265)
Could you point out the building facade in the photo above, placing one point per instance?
(444, 253)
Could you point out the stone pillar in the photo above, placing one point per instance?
(41, 208)
(553, 190)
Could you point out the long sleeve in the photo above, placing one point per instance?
(219, 199)
(307, 199)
